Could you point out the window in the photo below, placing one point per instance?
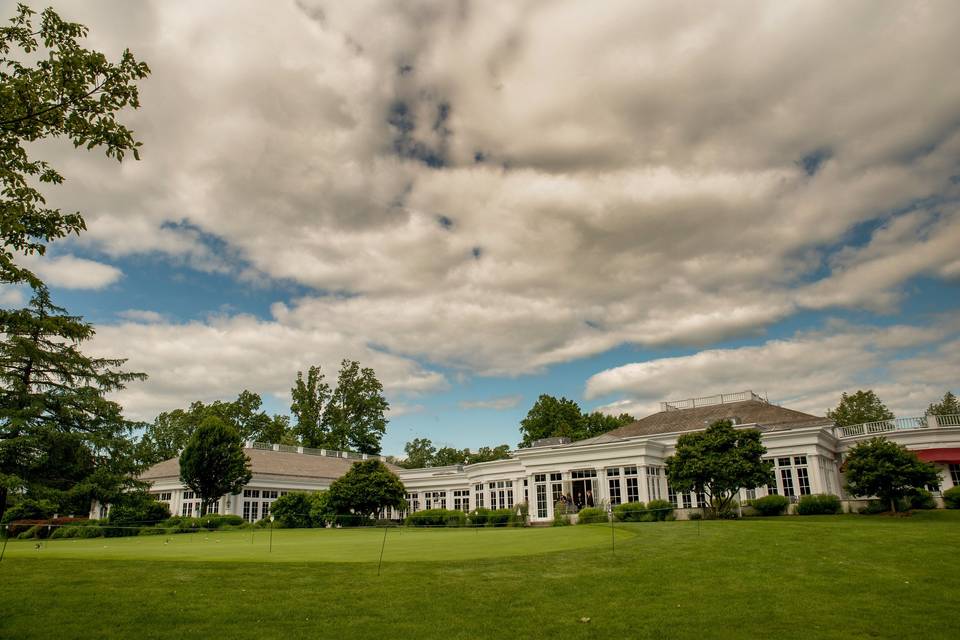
(701, 500)
(461, 500)
(783, 462)
(246, 510)
(188, 495)
(556, 477)
(583, 473)
(955, 474)
(671, 495)
(540, 477)
(687, 501)
(629, 471)
(478, 491)
(510, 498)
(633, 489)
(413, 501)
(786, 479)
(613, 472)
(251, 493)
(653, 483)
(254, 511)
(186, 509)
(270, 494)
(541, 501)
(803, 480)
(614, 491)
(164, 496)
(751, 494)
(557, 491)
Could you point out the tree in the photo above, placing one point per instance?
(718, 462)
(550, 417)
(486, 454)
(597, 423)
(213, 462)
(354, 418)
(310, 398)
(60, 437)
(51, 87)
(863, 406)
(366, 489)
(449, 456)
(420, 453)
(299, 509)
(949, 406)
(878, 467)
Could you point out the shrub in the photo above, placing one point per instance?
(561, 517)
(629, 512)
(501, 518)
(436, 518)
(218, 521)
(35, 531)
(659, 509)
(591, 515)
(478, 517)
(293, 510)
(93, 530)
(28, 509)
(695, 515)
(819, 504)
(922, 499)
(138, 508)
(951, 498)
(874, 507)
(771, 505)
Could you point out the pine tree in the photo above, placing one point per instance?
(60, 437)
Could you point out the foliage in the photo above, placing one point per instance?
(299, 509)
(591, 515)
(629, 511)
(951, 498)
(60, 437)
(436, 518)
(213, 462)
(551, 418)
(660, 509)
(169, 433)
(137, 508)
(879, 467)
(420, 454)
(772, 505)
(863, 406)
(354, 419)
(948, 406)
(489, 454)
(503, 518)
(819, 504)
(561, 514)
(51, 87)
(29, 509)
(922, 499)
(719, 462)
(310, 398)
(478, 517)
(873, 507)
(367, 488)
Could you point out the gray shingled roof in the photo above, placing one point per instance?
(769, 417)
(265, 462)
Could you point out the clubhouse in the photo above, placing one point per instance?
(624, 465)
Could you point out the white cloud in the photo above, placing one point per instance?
(908, 366)
(142, 315)
(502, 186)
(70, 272)
(497, 404)
(11, 297)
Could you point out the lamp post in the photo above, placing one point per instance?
(271, 533)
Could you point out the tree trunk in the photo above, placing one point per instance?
(3, 501)
(893, 505)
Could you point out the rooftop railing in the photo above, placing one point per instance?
(708, 401)
(309, 451)
(896, 424)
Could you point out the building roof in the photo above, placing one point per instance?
(767, 417)
(265, 462)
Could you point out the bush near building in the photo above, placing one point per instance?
(629, 512)
(951, 498)
(819, 504)
(591, 515)
(436, 518)
(922, 499)
(771, 505)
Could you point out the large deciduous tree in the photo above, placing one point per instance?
(887, 470)
(421, 454)
(51, 87)
(354, 418)
(719, 462)
(213, 463)
(551, 418)
(310, 398)
(366, 489)
(60, 437)
(862, 406)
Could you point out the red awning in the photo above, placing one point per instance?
(946, 455)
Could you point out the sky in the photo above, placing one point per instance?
(621, 203)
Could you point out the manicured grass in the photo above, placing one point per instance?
(814, 577)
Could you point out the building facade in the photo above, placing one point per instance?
(625, 465)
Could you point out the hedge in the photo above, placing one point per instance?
(630, 512)
(819, 504)
(591, 515)
(922, 499)
(436, 518)
(659, 510)
(771, 505)
(951, 498)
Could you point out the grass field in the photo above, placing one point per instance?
(814, 577)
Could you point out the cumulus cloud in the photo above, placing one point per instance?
(908, 366)
(71, 272)
(497, 404)
(502, 186)
(141, 315)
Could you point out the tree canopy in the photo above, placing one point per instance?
(310, 399)
(51, 87)
(421, 454)
(60, 437)
(355, 416)
(718, 462)
(551, 417)
(948, 406)
(887, 470)
(862, 406)
(366, 489)
(213, 463)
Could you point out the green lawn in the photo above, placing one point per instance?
(839, 576)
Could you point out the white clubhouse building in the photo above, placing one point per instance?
(625, 465)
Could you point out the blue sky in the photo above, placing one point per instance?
(653, 202)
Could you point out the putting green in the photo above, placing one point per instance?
(325, 545)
